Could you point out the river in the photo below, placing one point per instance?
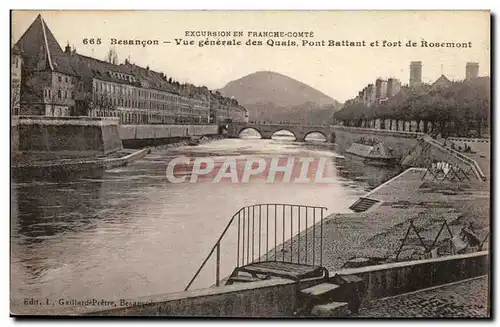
(132, 233)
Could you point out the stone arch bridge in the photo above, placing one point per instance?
(266, 131)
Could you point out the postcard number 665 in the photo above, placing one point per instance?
(91, 41)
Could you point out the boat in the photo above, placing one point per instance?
(376, 154)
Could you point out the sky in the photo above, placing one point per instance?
(339, 72)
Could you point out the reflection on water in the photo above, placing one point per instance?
(132, 233)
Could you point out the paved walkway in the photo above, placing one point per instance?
(463, 299)
(378, 233)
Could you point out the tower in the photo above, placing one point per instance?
(378, 88)
(471, 70)
(415, 73)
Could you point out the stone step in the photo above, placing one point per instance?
(332, 309)
(363, 204)
(320, 292)
(242, 279)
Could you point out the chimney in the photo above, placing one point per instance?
(67, 49)
(415, 73)
(471, 70)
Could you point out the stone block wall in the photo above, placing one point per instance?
(82, 135)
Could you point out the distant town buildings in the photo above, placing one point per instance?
(471, 70)
(415, 73)
(66, 83)
(378, 93)
(416, 107)
(384, 89)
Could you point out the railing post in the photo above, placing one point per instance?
(238, 247)
(283, 233)
(291, 234)
(217, 272)
(267, 232)
(307, 227)
(314, 238)
(298, 240)
(260, 228)
(243, 239)
(321, 240)
(275, 232)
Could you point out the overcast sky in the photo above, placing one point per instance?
(337, 72)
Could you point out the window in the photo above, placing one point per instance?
(72, 95)
(66, 79)
(17, 62)
(59, 78)
(59, 94)
(65, 94)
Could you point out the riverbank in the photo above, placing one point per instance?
(67, 165)
(70, 164)
(187, 141)
(374, 236)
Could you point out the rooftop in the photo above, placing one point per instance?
(41, 51)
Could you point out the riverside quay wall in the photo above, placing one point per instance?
(280, 297)
(399, 141)
(85, 136)
(91, 136)
(150, 135)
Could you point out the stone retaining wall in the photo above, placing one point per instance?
(280, 297)
(399, 141)
(86, 135)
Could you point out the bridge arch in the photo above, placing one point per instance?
(289, 132)
(249, 128)
(325, 136)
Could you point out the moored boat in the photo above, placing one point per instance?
(377, 154)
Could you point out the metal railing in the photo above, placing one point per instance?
(466, 160)
(266, 232)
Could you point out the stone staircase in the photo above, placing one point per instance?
(339, 297)
(319, 296)
(362, 204)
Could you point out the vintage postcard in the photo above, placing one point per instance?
(250, 163)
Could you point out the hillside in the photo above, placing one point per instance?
(275, 97)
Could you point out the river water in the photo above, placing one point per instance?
(133, 233)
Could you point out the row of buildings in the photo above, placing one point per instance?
(49, 81)
(380, 92)
(384, 89)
